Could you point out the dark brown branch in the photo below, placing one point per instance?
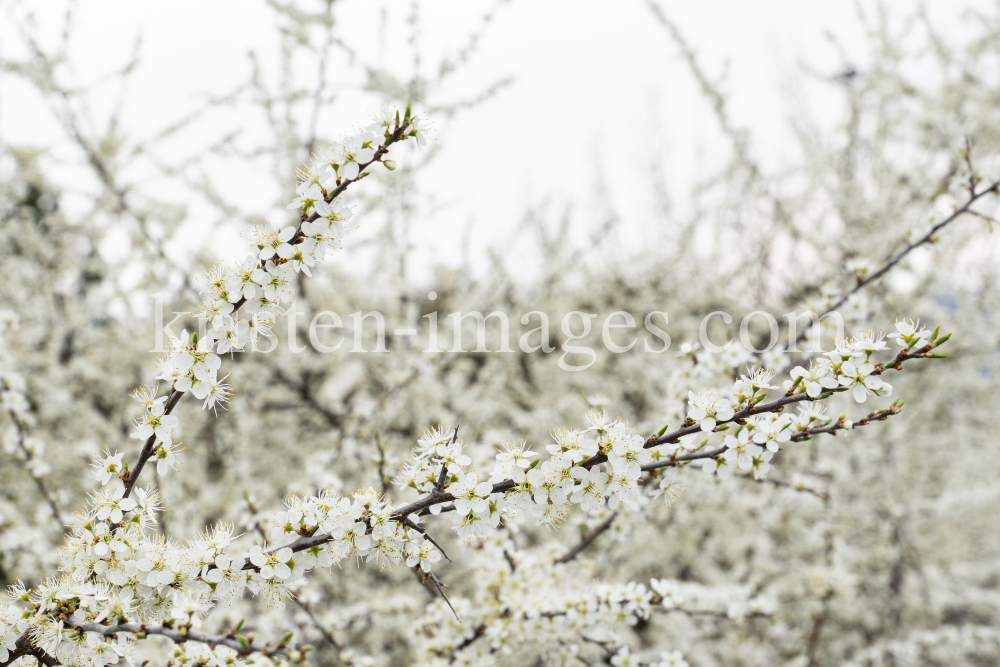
(439, 497)
(148, 447)
(406, 521)
(305, 392)
(23, 647)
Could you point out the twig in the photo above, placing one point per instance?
(305, 392)
(148, 447)
(587, 539)
(326, 633)
(381, 465)
(320, 80)
(908, 247)
(440, 589)
(786, 485)
(468, 641)
(439, 497)
(23, 645)
(39, 482)
(399, 134)
(254, 511)
(181, 636)
(406, 521)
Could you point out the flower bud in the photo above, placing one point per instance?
(389, 164)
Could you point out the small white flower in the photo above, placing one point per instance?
(107, 467)
(112, 507)
(817, 378)
(589, 493)
(308, 198)
(910, 333)
(165, 458)
(709, 407)
(869, 341)
(862, 382)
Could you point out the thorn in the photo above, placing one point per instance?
(437, 584)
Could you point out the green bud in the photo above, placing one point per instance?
(287, 638)
(943, 339)
(389, 164)
(662, 430)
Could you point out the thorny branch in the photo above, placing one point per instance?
(440, 497)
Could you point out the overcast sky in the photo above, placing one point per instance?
(595, 95)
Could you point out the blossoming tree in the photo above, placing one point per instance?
(404, 507)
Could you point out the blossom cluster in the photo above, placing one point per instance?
(116, 569)
(527, 607)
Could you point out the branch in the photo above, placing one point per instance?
(406, 521)
(839, 424)
(903, 251)
(305, 392)
(439, 497)
(440, 589)
(39, 482)
(786, 485)
(399, 134)
(23, 647)
(383, 480)
(326, 633)
(243, 648)
(148, 447)
(587, 539)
